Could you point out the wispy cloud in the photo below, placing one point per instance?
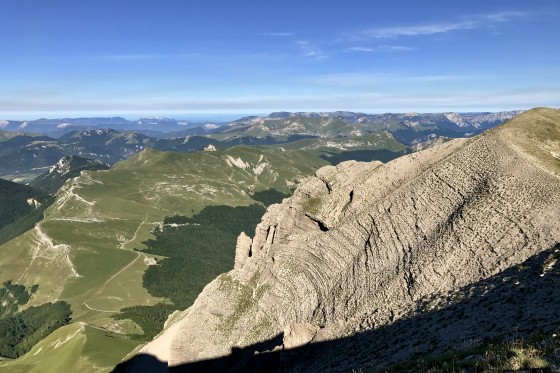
(278, 34)
(145, 56)
(310, 50)
(466, 23)
(382, 49)
(128, 57)
(369, 79)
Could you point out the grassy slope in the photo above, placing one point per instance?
(537, 133)
(82, 251)
(380, 140)
(72, 348)
(378, 146)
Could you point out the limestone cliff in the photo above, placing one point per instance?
(358, 245)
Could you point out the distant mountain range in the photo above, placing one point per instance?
(336, 136)
(408, 128)
(157, 126)
(152, 125)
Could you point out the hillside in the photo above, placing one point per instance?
(6, 135)
(361, 247)
(100, 238)
(25, 157)
(66, 168)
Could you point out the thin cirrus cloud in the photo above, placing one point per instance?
(146, 56)
(368, 79)
(310, 50)
(469, 23)
(382, 49)
(278, 34)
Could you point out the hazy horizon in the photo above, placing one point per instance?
(216, 117)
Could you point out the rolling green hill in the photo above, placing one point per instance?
(6, 135)
(83, 251)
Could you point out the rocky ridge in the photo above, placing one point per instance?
(359, 245)
(66, 168)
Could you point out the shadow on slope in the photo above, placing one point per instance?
(515, 303)
(382, 155)
(21, 207)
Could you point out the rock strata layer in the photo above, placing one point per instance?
(359, 245)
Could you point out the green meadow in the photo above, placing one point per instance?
(89, 252)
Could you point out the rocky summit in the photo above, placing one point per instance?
(362, 247)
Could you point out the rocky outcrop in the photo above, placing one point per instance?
(358, 245)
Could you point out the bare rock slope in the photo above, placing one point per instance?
(358, 245)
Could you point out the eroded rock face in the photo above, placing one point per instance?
(358, 244)
(297, 335)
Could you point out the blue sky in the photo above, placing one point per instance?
(187, 58)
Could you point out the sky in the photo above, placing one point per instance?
(179, 58)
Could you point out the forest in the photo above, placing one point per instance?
(21, 330)
(197, 250)
(16, 214)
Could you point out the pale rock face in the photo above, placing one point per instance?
(237, 162)
(494, 117)
(455, 118)
(34, 203)
(358, 244)
(62, 166)
(242, 249)
(297, 335)
(209, 148)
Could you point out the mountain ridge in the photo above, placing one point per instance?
(412, 222)
(66, 168)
